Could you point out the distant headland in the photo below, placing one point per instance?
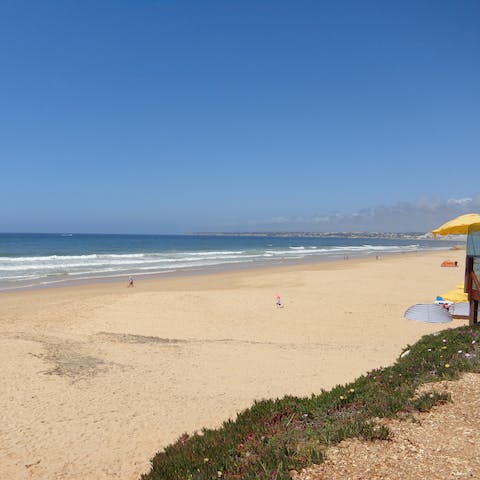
(393, 235)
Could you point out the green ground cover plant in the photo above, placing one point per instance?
(273, 437)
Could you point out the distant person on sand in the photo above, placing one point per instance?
(130, 281)
(278, 301)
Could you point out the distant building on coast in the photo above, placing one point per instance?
(390, 235)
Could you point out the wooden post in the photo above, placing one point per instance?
(468, 274)
(473, 317)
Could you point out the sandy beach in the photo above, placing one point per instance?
(97, 378)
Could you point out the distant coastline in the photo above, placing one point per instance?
(386, 235)
(379, 235)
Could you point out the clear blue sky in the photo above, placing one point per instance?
(177, 116)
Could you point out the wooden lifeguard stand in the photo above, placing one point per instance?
(472, 271)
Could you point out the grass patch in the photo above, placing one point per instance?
(425, 402)
(273, 437)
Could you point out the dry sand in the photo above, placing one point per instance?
(97, 378)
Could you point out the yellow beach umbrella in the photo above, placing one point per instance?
(457, 226)
(455, 296)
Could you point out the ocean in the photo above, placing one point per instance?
(35, 260)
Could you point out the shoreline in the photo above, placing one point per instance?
(211, 270)
(108, 375)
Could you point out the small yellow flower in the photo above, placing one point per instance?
(352, 390)
(205, 460)
(444, 348)
(342, 397)
(447, 365)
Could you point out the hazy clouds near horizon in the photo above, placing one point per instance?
(421, 215)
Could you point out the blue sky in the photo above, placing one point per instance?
(169, 117)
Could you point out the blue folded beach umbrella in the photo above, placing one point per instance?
(428, 312)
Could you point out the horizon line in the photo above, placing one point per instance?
(236, 232)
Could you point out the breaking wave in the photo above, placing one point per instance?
(22, 270)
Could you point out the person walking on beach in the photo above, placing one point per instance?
(278, 301)
(130, 281)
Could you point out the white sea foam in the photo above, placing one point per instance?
(296, 252)
(50, 269)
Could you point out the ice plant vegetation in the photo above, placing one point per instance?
(274, 437)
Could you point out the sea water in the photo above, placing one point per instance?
(32, 260)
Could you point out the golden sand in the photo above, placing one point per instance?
(97, 378)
